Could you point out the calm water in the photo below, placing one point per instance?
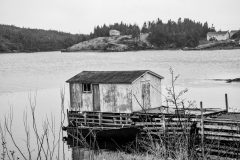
(46, 73)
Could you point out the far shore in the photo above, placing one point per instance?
(170, 49)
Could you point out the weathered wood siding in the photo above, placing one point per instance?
(116, 97)
(80, 101)
(75, 96)
(139, 92)
(119, 97)
(87, 99)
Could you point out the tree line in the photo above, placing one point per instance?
(125, 29)
(16, 39)
(162, 35)
(180, 34)
(177, 34)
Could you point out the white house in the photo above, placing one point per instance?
(220, 35)
(115, 91)
(233, 32)
(113, 32)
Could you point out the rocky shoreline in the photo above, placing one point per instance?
(127, 43)
(222, 45)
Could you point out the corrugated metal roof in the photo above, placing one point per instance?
(114, 77)
(217, 33)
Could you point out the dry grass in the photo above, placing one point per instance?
(123, 156)
(104, 155)
(202, 42)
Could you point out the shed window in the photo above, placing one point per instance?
(87, 87)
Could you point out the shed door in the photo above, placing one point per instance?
(96, 97)
(146, 95)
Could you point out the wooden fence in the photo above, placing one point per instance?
(220, 137)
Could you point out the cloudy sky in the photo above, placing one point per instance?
(80, 16)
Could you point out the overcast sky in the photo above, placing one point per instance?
(80, 16)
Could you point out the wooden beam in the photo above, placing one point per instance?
(220, 127)
(224, 121)
(222, 138)
(216, 133)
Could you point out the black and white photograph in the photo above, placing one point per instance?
(119, 80)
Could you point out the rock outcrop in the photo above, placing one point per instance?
(112, 44)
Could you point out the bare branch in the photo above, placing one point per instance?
(9, 130)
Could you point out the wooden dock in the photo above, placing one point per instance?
(216, 131)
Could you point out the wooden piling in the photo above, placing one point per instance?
(226, 101)
(202, 131)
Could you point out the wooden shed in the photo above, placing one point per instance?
(115, 91)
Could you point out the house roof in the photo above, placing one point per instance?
(114, 30)
(113, 77)
(217, 33)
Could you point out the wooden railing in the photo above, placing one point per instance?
(153, 124)
(93, 119)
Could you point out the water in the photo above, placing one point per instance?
(46, 73)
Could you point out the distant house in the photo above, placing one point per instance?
(233, 32)
(113, 32)
(220, 35)
(115, 91)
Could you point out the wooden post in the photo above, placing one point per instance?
(202, 130)
(85, 118)
(226, 100)
(164, 126)
(68, 116)
(100, 118)
(120, 118)
(164, 133)
(114, 120)
(93, 118)
(126, 120)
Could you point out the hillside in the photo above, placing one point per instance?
(16, 39)
(112, 44)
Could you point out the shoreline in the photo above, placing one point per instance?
(210, 49)
(175, 49)
(222, 45)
